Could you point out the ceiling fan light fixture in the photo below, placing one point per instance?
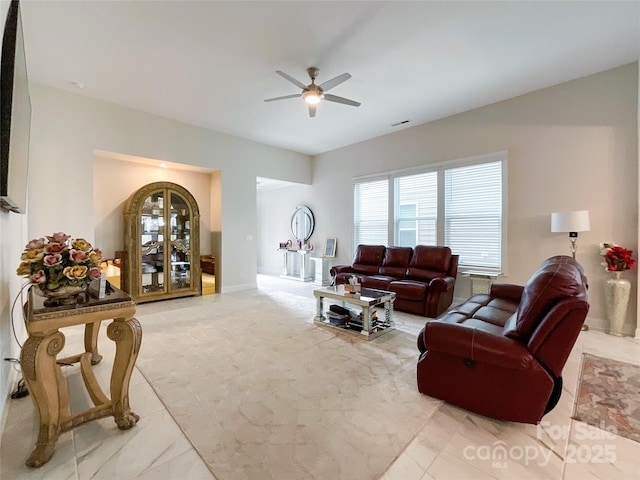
(313, 94)
(312, 98)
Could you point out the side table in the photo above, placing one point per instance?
(480, 281)
(321, 272)
(43, 376)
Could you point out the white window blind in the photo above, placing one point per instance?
(371, 213)
(416, 209)
(473, 213)
(457, 204)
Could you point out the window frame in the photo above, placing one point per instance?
(440, 168)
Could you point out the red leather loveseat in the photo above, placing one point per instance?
(502, 354)
(423, 277)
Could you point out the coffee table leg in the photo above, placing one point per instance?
(388, 313)
(39, 355)
(128, 335)
(366, 321)
(319, 309)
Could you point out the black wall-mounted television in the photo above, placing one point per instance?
(15, 115)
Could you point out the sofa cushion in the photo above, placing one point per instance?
(378, 282)
(429, 262)
(396, 260)
(552, 282)
(368, 258)
(408, 289)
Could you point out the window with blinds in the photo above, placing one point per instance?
(371, 213)
(416, 209)
(458, 204)
(473, 214)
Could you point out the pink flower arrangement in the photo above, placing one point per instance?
(618, 258)
(57, 260)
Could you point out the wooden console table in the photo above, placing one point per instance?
(43, 376)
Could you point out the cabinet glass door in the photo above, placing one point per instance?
(180, 242)
(152, 243)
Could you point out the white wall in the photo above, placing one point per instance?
(67, 128)
(12, 241)
(637, 333)
(573, 146)
(275, 208)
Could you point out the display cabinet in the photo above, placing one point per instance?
(162, 243)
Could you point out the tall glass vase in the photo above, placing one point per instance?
(616, 297)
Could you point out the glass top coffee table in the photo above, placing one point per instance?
(366, 323)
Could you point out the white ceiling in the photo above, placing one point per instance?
(212, 64)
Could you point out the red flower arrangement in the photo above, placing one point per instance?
(618, 258)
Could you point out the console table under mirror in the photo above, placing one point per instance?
(295, 259)
(162, 243)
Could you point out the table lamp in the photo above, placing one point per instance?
(572, 222)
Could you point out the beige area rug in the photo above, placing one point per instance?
(263, 393)
(609, 396)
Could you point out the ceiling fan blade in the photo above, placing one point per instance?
(291, 79)
(329, 84)
(312, 110)
(346, 101)
(295, 95)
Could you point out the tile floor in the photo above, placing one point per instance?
(453, 444)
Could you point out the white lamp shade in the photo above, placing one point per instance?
(577, 221)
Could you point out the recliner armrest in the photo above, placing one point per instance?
(442, 284)
(475, 345)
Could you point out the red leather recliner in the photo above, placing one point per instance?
(502, 354)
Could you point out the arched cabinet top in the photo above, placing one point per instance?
(136, 200)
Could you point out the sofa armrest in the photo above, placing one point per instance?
(506, 290)
(475, 345)
(442, 284)
(336, 269)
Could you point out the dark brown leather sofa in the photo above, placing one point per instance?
(423, 277)
(502, 354)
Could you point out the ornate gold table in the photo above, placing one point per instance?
(43, 376)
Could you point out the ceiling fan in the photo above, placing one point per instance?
(312, 94)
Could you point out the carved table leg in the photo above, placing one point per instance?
(91, 331)
(42, 376)
(127, 334)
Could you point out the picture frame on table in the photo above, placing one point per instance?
(330, 247)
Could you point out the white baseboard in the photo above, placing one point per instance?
(239, 288)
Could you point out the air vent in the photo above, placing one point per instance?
(400, 123)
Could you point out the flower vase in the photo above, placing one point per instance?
(616, 296)
(65, 295)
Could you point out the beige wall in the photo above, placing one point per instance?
(68, 128)
(115, 181)
(570, 147)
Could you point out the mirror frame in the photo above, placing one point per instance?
(302, 210)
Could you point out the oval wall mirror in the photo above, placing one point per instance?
(302, 223)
